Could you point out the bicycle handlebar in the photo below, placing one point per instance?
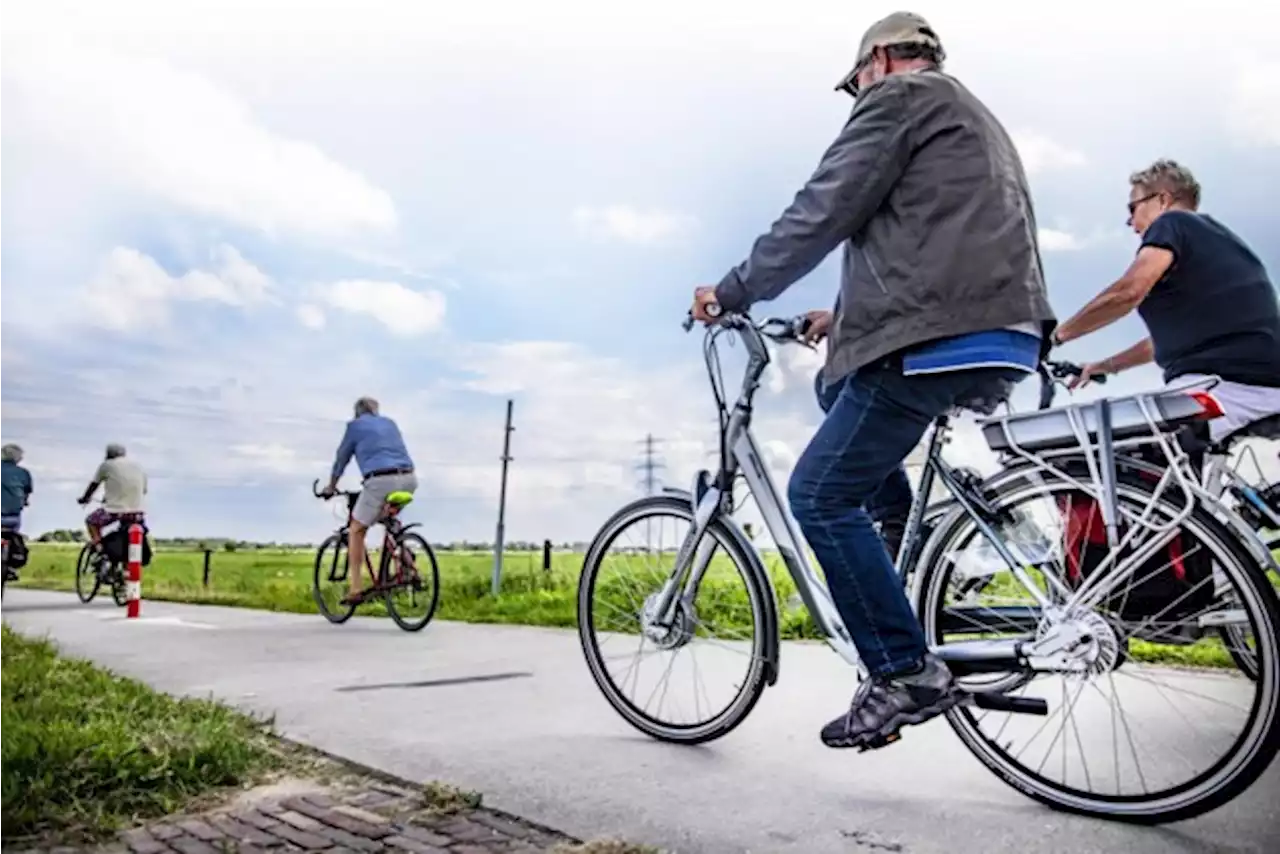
(1051, 370)
(1063, 370)
(780, 329)
(318, 494)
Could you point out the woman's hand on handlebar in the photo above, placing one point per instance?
(1089, 371)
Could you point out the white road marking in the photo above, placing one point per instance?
(158, 621)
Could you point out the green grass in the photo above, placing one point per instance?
(281, 580)
(86, 752)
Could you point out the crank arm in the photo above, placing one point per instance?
(1005, 703)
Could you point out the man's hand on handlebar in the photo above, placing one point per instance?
(819, 324)
(705, 307)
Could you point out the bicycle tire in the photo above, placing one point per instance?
(1233, 639)
(408, 625)
(343, 612)
(83, 569)
(762, 601)
(1248, 757)
(119, 589)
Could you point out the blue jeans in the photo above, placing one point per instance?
(853, 464)
(891, 502)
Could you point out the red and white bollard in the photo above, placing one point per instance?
(133, 588)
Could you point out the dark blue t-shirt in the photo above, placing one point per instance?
(1215, 310)
(15, 486)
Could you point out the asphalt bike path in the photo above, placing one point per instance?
(511, 711)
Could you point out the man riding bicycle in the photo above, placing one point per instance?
(1205, 297)
(942, 303)
(384, 461)
(124, 490)
(15, 481)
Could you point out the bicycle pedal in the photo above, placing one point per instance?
(879, 741)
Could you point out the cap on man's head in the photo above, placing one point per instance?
(898, 28)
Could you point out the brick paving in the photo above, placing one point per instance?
(375, 817)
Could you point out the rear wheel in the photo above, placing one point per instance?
(1149, 720)
(87, 580)
(329, 582)
(416, 576)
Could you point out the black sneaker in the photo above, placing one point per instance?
(883, 705)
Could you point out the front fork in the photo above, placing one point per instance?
(694, 557)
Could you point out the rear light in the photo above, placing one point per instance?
(1208, 403)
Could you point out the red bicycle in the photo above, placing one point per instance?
(408, 576)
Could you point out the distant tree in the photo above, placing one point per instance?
(229, 545)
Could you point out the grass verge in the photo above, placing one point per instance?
(86, 752)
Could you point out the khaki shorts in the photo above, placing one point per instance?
(374, 492)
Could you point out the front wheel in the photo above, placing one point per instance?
(87, 579)
(723, 611)
(329, 583)
(415, 579)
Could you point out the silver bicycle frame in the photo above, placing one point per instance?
(711, 500)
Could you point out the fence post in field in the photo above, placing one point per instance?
(208, 555)
(134, 586)
(546, 555)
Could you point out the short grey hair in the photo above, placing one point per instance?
(11, 453)
(1169, 176)
(115, 449)
(366, 406)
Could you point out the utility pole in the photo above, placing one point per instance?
(502, 504)
(650, 464)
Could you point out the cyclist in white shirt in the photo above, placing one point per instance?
(124, 487)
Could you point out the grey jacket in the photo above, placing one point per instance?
(927, 193)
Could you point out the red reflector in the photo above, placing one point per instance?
(1209, 403)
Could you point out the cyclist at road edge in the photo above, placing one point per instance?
(942, 303)
(17, 487)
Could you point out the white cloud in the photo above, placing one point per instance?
(631, 225)
(131, 290)
(311, 316)
(403, 311)
(1254, 103)
(1054, 240)
(154, 129)
(1042, 154)
(277, 458)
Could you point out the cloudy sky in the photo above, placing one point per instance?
(224, 221)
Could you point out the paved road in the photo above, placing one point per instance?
(539, 740)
